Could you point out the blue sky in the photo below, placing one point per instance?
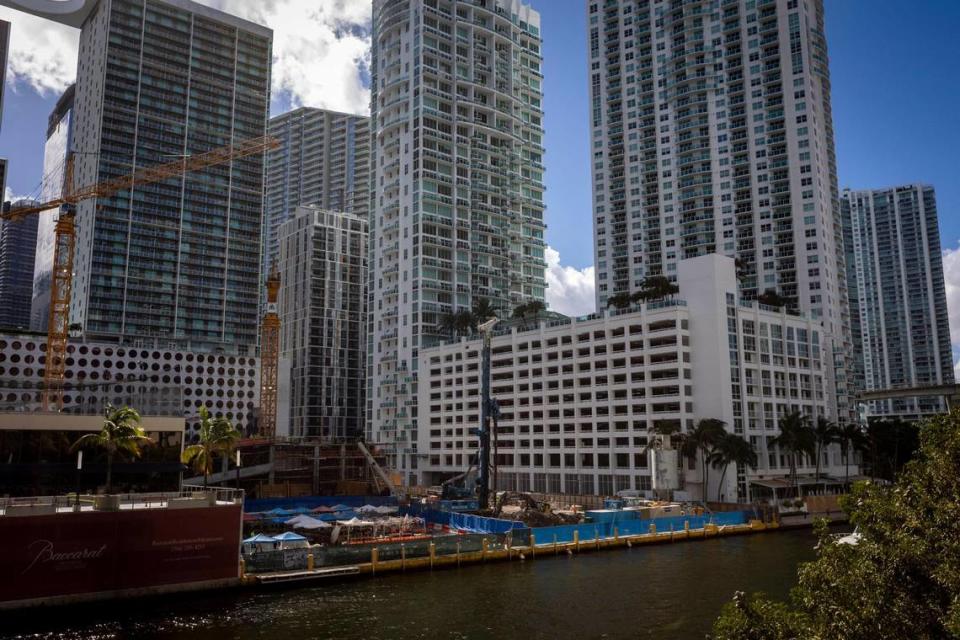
(895, 68)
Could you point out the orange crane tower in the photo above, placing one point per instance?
(269, 355)
(64, 244)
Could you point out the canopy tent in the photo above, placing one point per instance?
(387, 510)
(355, 522)
(342, 507)
(323, 509)
(367, 508)
(259, 542)
(291, 540)
(306, 522)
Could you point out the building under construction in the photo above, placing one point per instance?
(309, 467)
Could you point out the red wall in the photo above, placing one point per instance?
(71, 553)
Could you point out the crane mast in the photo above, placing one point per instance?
(269, 356)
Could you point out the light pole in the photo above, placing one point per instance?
(484, 431)
(238, 469)
(79, 468)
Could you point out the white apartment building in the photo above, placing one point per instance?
(712, 131)
(898, 298)
(152, 379)
(457, 196)
(578, 398)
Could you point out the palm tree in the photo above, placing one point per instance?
(731, 449)
(620, 300)
(528, 310)
(482, 311)
(121, 433)
(771, 298)
(825, 433)
(447, 323)
(850, 437)
(796, 437)
(463, 320)
(217, 436)
(701, 442)
(655, 288)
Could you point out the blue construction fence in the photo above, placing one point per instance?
(601, 530)
(312, 502)
(463, 521)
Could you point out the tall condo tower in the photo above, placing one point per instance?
(59, 142)
(17, 242)
(711, 132)
(898, 297)
(176, 262)
(323, 303)
(323, 160)
(457, 196)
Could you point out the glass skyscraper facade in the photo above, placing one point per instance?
(176, 262)
(323, 160)
(17, 242)
(59, 142)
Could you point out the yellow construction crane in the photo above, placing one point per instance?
(63, 253)
(269, 355)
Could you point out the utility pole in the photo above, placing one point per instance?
(484, 431)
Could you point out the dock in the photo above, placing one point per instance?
(505, 553)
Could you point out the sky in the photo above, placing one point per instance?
(895, 74)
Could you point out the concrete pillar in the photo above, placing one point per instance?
(374, 557)
(653, 528)
(576, 539)
(486, 548)
(533, 545)
(310, 561)
(270, 476)
(433, 552)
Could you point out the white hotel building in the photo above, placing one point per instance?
(578, 398)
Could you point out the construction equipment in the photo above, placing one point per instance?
(64, 245)
(269, 356)
(379, 474)
(460, 487)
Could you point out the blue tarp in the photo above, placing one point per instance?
(592, 531)
(463, 521)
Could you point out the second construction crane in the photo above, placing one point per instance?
(65, 242)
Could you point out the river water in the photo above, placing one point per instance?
(662, 592)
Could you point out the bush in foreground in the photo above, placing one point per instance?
(901, 580)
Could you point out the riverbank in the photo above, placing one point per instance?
(490, 553)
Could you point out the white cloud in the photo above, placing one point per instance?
(951, 276)
(43, 54)
(320, 50)
(569, 290)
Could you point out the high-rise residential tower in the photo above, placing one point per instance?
(17, 242)
(457, 195)
(322, 263)
(323, 160)
(900, 303)
(712, 131)
(59, 142)
(175, 262)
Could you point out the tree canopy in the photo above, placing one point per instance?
(900, 580)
